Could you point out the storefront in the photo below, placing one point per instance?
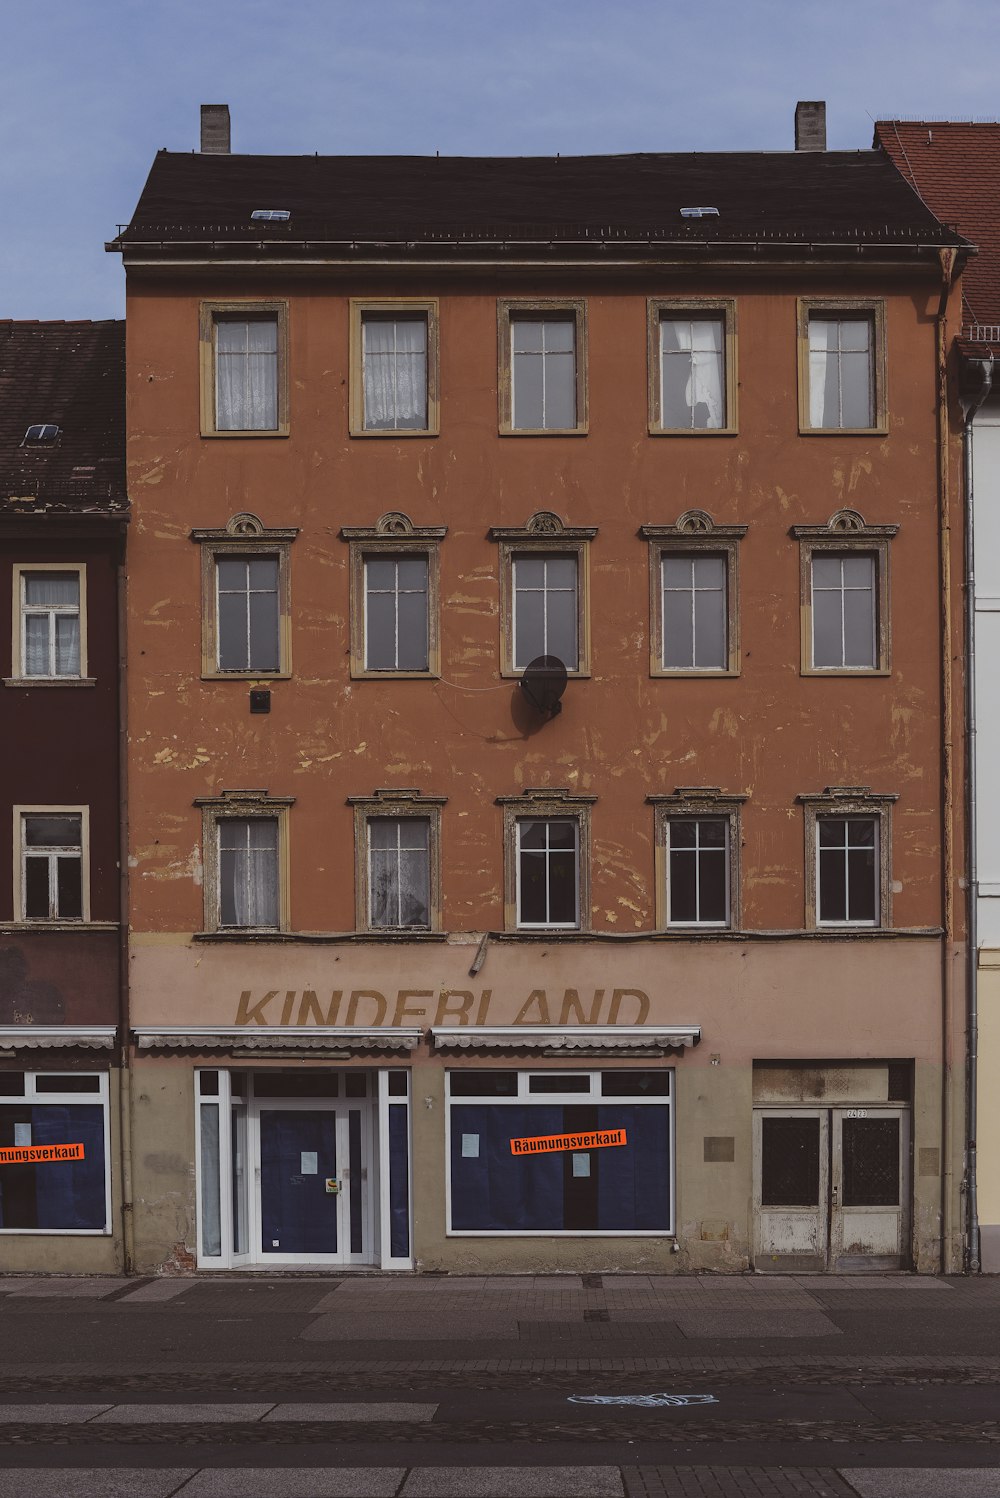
(643, 1120)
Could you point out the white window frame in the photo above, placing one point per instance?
(847, 817)
(593, 1095)
(692, 556)
(843, 590)
(547, 820)
(20, 572)
(697, 818)
(21, 813)
(247, 557)
(242, 806)
(426, 821)
(544, 557)
(247, 821)
(861, 309)
(100, 1097)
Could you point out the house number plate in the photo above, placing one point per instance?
(856, 1113)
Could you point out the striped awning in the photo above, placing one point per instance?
(610, 1040)
(57, 1037)
(266, 1038)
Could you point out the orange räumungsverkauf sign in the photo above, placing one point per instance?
(36, 1154)
(547, 1144)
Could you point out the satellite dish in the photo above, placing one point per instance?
(543, 683)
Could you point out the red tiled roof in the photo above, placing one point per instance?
(72, 375)
(585, 201)
(955, 167)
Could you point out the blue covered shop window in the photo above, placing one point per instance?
(399, 1182)
(64, 1194)
(493, 1190)
(633, 1188)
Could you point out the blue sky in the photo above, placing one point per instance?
(89, 92)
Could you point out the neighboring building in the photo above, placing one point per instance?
(63, 514)
(955, 168)
(399, 427)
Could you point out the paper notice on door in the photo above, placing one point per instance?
(470, 1146)
(22, 1133)
(581, 1165)
(310, 1163)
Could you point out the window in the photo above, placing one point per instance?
(543, 366)
(245, 854)
(49, 626)
(398, 860)
(845, 595)
(546, 609)
(547, 860)
(842, 366)
(610, 1172)
(244, 380)
(394, 368)
(691, 366)
(51, 882)
(697, 854)
(848, 858)
(246, 605)
(693, 577)
(544, 593)
(54, 1153)
(394, 597)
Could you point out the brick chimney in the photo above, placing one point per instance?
(215, 129)
(810, 125)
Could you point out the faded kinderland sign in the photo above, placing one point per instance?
(370, 1007)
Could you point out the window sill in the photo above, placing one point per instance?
(839, 671)
(508, 673)
(49, 681)
(255, 433)
(581, 431)
(17, 927)
(244, 676)
(407, 432)
(360, 674)
(876, 431)
(692, 673)
(655, 431)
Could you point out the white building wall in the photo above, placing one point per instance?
(986, 498)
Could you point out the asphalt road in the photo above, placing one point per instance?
(522, 1387)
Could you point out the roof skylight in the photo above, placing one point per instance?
(45, 431)
(270, 215)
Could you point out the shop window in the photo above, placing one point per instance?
(543, 366)
(844, 580)
(244, 369)
(842, 366)
(848, 880)
(394, 597)
(398, 861)
(52, 864)
(694, 596)
(697, 855)
(246, 599)
(692, 367)
(54, 1175)
(544, 593)
(498, 1185)
(244, 839)
(394, 368)
(546, 860)
(49, 640)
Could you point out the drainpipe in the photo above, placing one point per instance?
(125, 1073)
(970, 408)
(947, 259)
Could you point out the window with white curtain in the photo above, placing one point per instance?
(399, 872)
(692, 372)
(841, 371)
(248, 872)
(246, 373)
(394, 359)
(50, 642)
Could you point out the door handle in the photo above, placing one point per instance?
(833, 1196)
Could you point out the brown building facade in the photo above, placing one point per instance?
(63, 514)
(430, 966)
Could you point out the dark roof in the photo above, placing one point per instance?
(804, 197)
(71, 374)
(955, 167)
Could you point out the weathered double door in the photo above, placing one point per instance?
(831, 1188)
